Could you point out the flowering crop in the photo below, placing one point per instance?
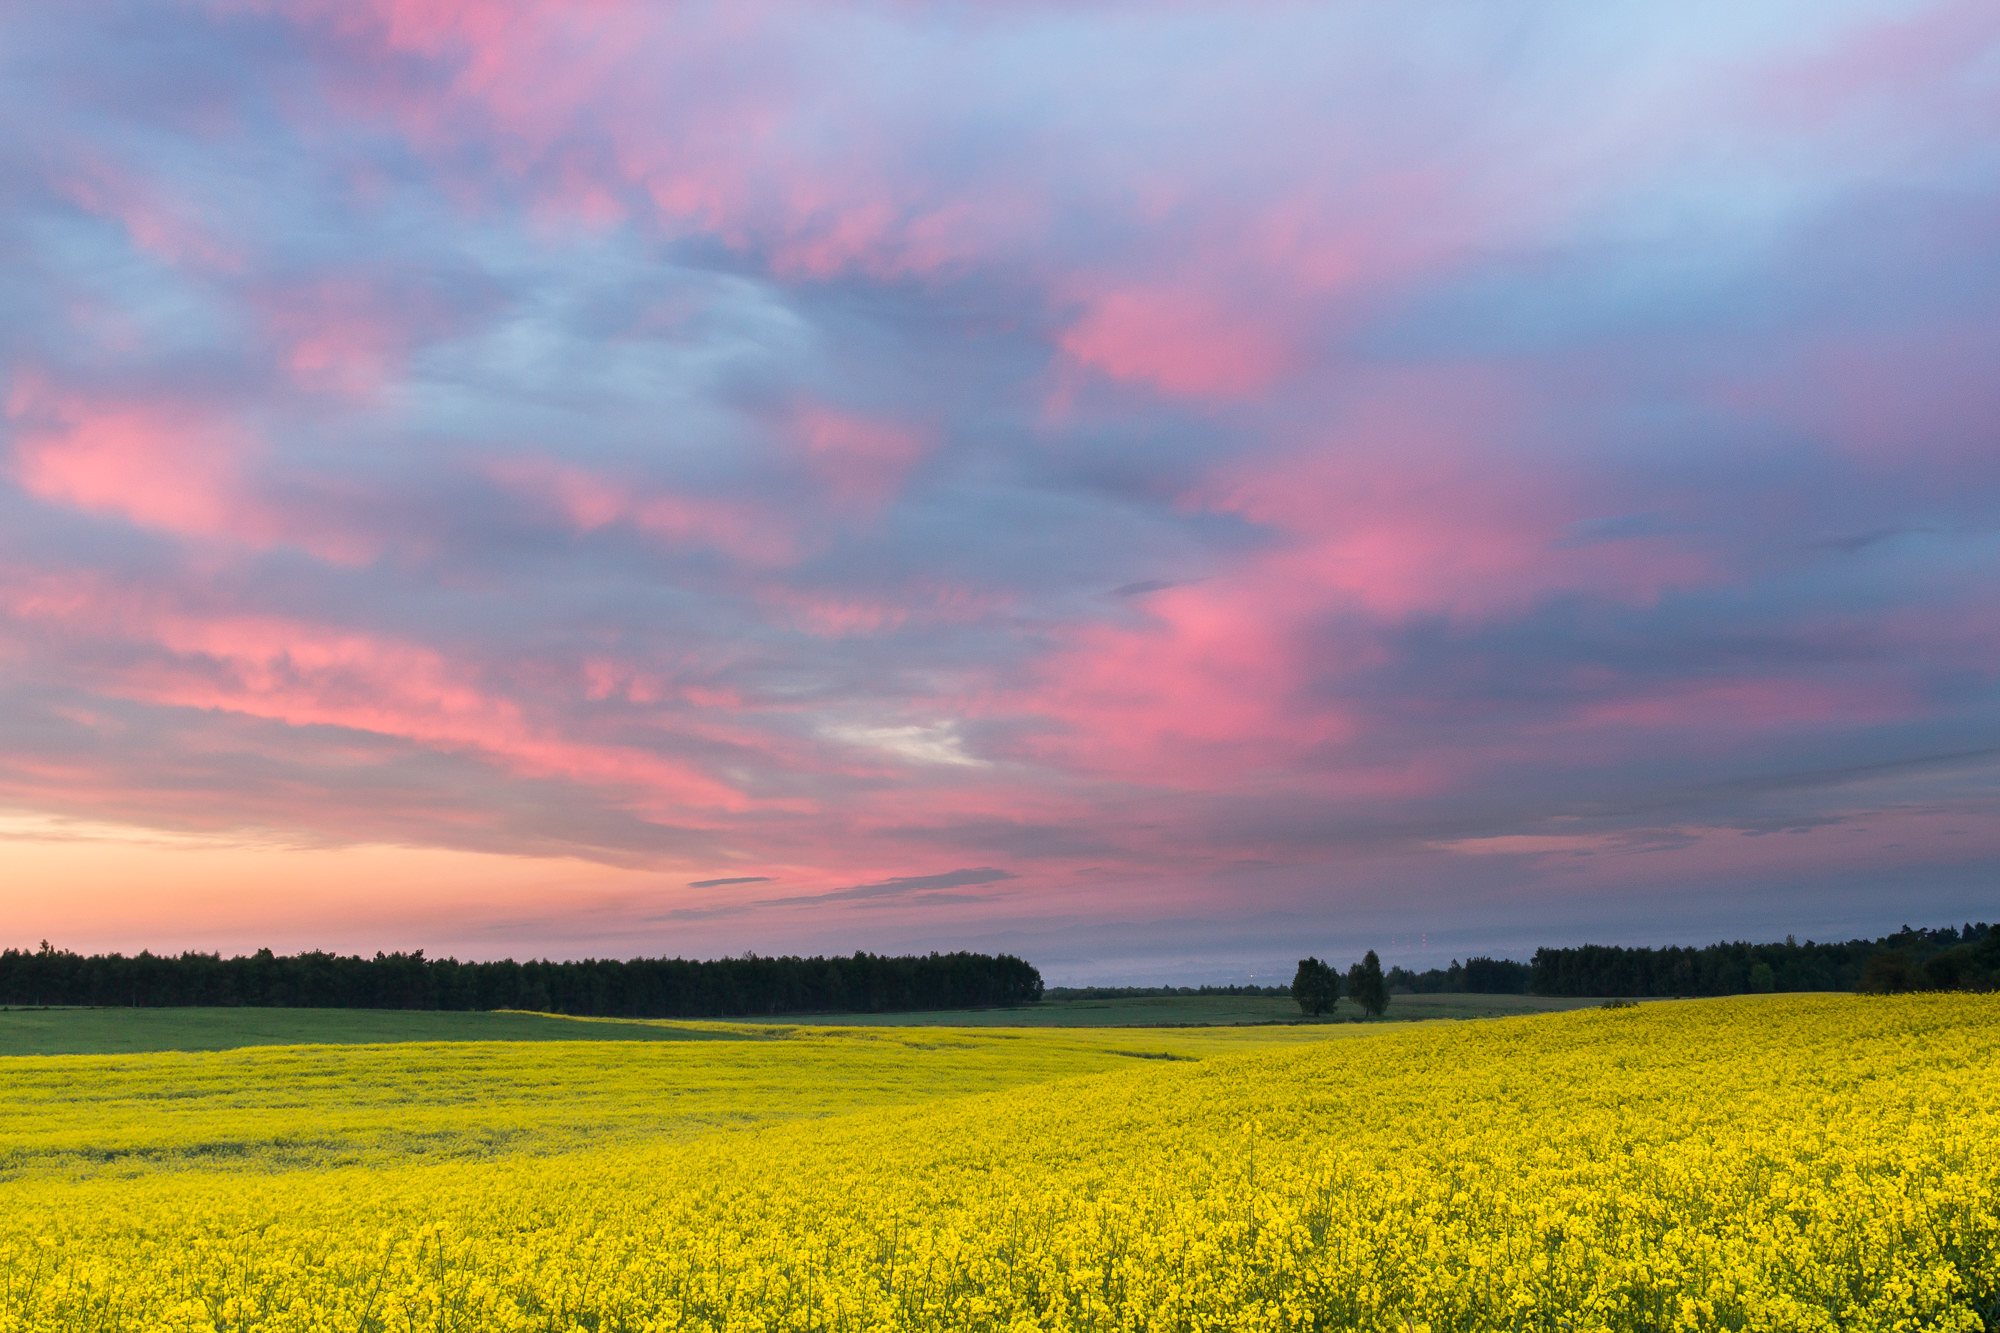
(1764, 1163)
(268, 1107)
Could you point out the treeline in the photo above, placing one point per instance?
(1155, 992)
(640, 988)
(1475, 976)
(1948, 958)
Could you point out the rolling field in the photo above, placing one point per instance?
(1759, 1163)
(264, 1108)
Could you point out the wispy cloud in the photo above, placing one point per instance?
(905, 886)
(698, 913)
(936, 743)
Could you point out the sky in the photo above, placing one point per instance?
(1157, 488)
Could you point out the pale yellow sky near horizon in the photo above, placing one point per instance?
(100, 886)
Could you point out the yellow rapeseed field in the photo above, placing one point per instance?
(1769, 1163)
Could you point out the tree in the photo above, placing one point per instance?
(1945, 971)
(1315, 986)
(1366, 987)
(1762, 979)
(1887, 973)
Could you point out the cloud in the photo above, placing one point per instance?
(1186, 344)
(718, 883)
(921, 887)
(936, 743)
(698, 913)
(1618, 527)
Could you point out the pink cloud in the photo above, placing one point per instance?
(160, 221)
(162, 464)
(1886, 396)
(1930, 57)
(1207, 688)
(1727, 709)
(173, 465)
(1183, 343)
(304, 674)
(733, 125)
(1414, 504)
(861, 460)
(836, 617)
(341, 335)
(587, 501)
(604, 678)
(1419, 500)
(833, 615)
(700, 119)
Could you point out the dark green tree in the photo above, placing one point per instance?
(1888, 973)
(1366, 986)
(1945, 971)
(1315, 986)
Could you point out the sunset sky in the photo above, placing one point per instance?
(1158, 488)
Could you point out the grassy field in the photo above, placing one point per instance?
(133, 1031)
(126, 1031)
(1756, 1163)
